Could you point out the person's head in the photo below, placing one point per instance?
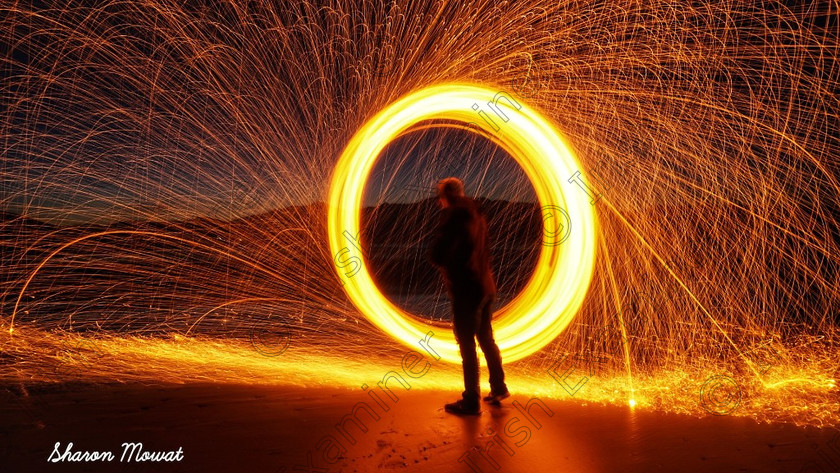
(449, 189)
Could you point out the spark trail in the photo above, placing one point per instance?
(165, 167)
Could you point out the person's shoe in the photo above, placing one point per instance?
(496, 398)
(462, 408)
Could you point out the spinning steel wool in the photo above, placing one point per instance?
(172, 188)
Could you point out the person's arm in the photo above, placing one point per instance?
(441, 242)
(450, 243)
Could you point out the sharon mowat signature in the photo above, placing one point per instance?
(131, 451)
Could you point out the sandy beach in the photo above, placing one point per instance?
(286, 429)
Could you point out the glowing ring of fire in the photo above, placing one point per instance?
(564, 268)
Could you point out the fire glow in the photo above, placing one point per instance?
(172, 191)
(564, 269)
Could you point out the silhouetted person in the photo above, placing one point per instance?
(461, 252)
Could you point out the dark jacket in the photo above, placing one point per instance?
(460, 250)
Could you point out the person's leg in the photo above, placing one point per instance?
(491, 349)
(464, 326)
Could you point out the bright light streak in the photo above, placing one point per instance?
(561, 278)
